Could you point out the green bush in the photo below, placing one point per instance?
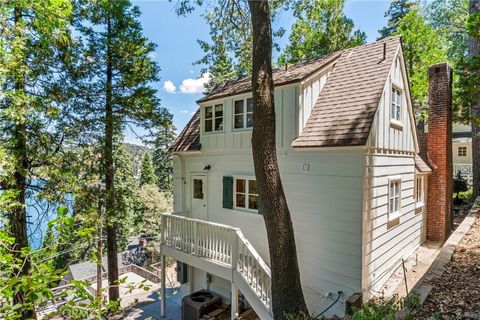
(387, 309)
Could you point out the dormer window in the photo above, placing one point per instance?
(213, 121)
(243, 114)
(396, 108)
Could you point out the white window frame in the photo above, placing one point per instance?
(419, 191)
(463, 152)
(247, 193)
(213, 118)
(244, 114)
(392, 215)
(397, 105)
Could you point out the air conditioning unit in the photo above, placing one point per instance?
(198, 304)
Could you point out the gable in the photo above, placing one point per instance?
(346, 107)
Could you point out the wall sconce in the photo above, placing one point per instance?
(207, 167)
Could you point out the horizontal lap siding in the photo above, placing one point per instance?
(326, 207)
(391, 155)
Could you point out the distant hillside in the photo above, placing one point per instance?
(137, 152)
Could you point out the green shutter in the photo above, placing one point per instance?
(228, 192)
(259, 205)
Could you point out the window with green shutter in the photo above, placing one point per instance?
(228, 192)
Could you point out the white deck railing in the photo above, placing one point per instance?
(221, 244)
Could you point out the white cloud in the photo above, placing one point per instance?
(195, 85)
(168, 86)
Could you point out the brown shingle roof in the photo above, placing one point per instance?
(421, 165)
(346, 107)
(294, 73)
(189, 138)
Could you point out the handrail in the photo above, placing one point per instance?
(222, 244)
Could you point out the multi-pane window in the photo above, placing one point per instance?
(214, 118)
(396, 108)
(419, 190)
(243, 114)
(246, 194)
(394, 203)
(462, 151)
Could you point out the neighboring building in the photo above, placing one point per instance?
(462, 150)
(349, 159)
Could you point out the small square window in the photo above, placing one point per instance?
(243, 116)
(246, 194)
(462, 151)
(213, 118)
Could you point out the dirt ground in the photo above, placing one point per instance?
(456, 294)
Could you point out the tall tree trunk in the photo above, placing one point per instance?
(113, 290)
(287, 295)
(19, 214)
(475, 112)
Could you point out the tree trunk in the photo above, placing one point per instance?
(99, 251)
(287, 295)
(113, 290)
(19, 214)
(475, 113)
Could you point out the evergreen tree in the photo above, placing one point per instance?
(147, 175)
(395, 13)
(162, 159)
(116, 90)
(423, 46)
(320, 28)
(34, 40)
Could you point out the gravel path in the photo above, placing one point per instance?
(456, 294)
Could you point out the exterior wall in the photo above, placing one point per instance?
(323, 189)
(325, 203)
(391, 152)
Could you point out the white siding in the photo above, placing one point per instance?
(326, 205)
(391, 154)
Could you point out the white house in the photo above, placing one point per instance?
(349, 160)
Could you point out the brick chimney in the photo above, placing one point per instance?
(439, 152)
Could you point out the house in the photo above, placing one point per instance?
(462, 150)
(349, 158)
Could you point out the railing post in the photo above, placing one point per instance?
(195, 239)
(233, 262)
(163, 297)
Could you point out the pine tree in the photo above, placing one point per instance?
(147, 175)
(32, 51)
(162, 159)
(395, 13)
(320, 28)
(116, 90)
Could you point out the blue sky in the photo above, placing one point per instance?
(177, 49)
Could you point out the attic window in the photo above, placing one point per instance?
(396, 109)
(462, 151)
(213, 118)
(243, 114)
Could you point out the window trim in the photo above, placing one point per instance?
(244, 114)
(396, 214)
(419, 188)
(393, 118)
(247, 193)
(213, 118)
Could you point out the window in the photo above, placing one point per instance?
(462, 151)
(419, 189)
(197, 189)
(396, 104)
(246, 194)
(214, 118)
(394, 203)
(243, 114)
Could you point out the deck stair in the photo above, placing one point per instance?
(221, 250)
